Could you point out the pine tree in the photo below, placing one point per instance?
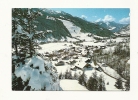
(127, 84)
(92, 84)
(16, 16)
(60, 75)
(24, 32)
(119, 83)
(29, 27)
(83, 79)
(101, 84)
(68, 75)
(75, 76)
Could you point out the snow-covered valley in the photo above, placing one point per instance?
(71, 84)
(81, 61)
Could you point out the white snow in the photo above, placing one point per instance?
(58, 11)
(71, 85)
(73, 29)
(19, 29)
(37, 62)
(49, 31)
(112, 28)
(37, 81)
(94, 44)
(51, 18)
(34, 80)
(49, 47)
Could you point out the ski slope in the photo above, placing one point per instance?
(75, 31)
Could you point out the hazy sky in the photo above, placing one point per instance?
(119, 15)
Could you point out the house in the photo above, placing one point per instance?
(72, 62)
(55, 59)
(88, 61)
(99, 69)
(60, 63)
(65, 58)
(75, 57)
(75, 68)
(88, 67)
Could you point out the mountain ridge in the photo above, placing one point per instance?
(51, 21)
(113, 26)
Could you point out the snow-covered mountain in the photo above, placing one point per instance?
(112, 26)
(53, 21)
(125, 30)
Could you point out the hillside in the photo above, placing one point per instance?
(125, 30)
(51, 22)
(112, 26)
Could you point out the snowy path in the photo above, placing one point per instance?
(71, 85)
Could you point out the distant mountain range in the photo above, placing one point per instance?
(125, 30)
(112, 26)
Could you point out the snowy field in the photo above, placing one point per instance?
(49, 47)
(71, 85)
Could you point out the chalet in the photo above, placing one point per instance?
(95, 41)
(54, 58)
(88, 67)
(65, 58)
(75, 57)
(60, 63)
(61, 50)
(88, 61)
(97, 51)
(72, 62)
(99, 69)
(75, 68)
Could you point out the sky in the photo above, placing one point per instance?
(119, 15)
